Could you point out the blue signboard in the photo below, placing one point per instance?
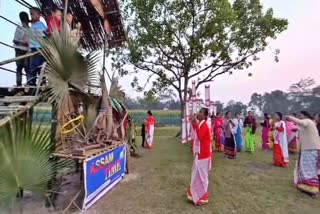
(101, 173)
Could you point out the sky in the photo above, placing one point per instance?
(299, 56)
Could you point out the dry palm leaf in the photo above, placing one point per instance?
(67, 69)
(115, 89)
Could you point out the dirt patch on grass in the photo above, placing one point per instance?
(258, 167)
(130, 177)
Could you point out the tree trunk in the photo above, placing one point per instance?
(183, 97)
(181, 116)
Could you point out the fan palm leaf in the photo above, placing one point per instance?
(25, 160)
(67, 69)
(92, 113)
(115, 89)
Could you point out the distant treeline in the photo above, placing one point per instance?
(304, 95)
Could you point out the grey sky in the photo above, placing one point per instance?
(299, 45)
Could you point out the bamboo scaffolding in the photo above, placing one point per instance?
(19, 58)
(19, 112)
(19, 99)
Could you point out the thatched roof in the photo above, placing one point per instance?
(92, 22)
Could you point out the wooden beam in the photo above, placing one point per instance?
(21, 111)
(19, 99)
(19, 57)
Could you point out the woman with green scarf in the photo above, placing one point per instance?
(250, 129)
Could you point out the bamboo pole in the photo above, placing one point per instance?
(9, 70)
(5, 44)
(8, 20)
(18, 99)
(21, 111)
(41, 77)
(19, 58)
(24, 3)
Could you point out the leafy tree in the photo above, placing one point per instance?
(234, 107)
(256, 102)
(131, 103)
(219, 106)
(305, 95)
(276, 101)
(179, 41)
(150, 100)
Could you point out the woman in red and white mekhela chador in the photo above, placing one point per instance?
(149, 124)
(280, 148)
(198, 190)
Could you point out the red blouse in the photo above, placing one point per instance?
(204, 137)
(150, 121)
(280, 128)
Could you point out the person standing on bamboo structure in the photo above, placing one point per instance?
(21, 46)
(38, 29)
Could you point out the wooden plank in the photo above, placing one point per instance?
(20, 112)
(27, 55)
(12, 91)
(11, 108)
(18, 99)
(58, 154)
(89, 153)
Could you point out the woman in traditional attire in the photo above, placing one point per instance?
(230, 147)
(280, 147)
(265, 132)
(218, 132)
(307, 171)
(238, 131)
(271, 133)
(149, 130)
(251, 126)
(292, 136)
(198, 190)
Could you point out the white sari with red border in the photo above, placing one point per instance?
(200, 174)
(149, 131)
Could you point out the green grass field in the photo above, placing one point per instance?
(163, 118)
(158, 182)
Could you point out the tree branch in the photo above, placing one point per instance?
(209, 78)
(146, 68)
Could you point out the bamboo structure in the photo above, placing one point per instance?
(11, 112)
(93, 14)
(84, 125)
